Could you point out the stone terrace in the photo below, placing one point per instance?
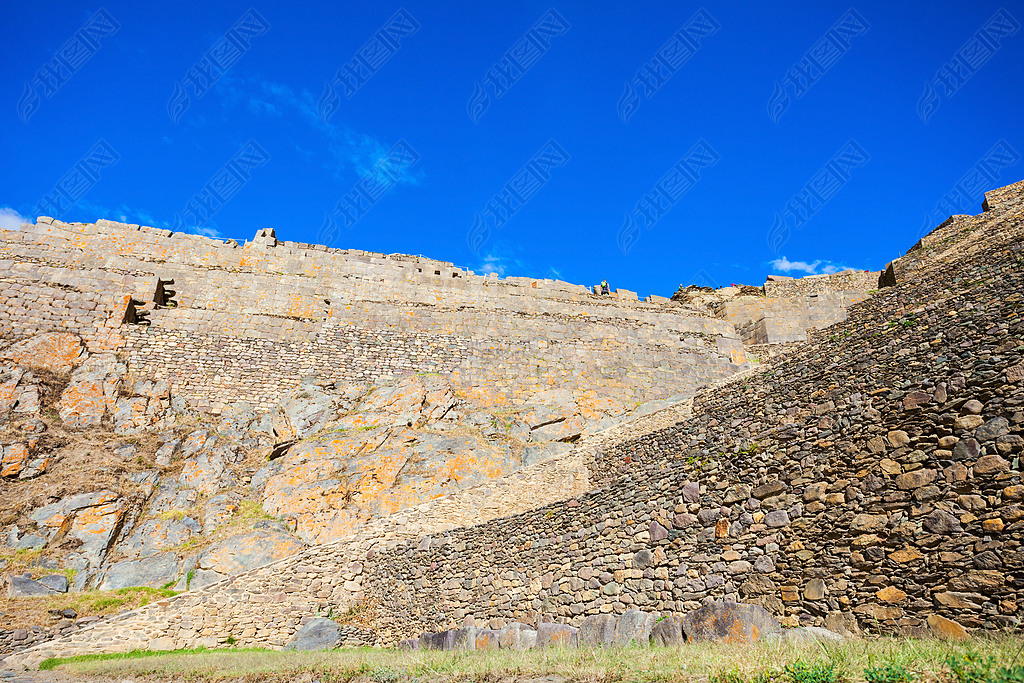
(871, 475)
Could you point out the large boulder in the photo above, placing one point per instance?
(517, 636)
(633, 627)
(93, 518)
(729, 622)
(54, 351)
(155, 535)
(597, 630)
(316, 634)
(557, 635)
(153, 571)
(92, 391)
(24, 586)
(668, 631)
(248, 551)
(445, 640)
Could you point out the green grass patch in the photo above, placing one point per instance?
(884, 660)
(54, 662)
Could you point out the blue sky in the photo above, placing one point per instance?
(653, 145)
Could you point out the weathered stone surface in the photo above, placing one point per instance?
(729, 622)
(557, 635)
(58, 583)
(153, 571)
(946, 629)
(517, 636)
(814, 590)
(316, 634)
(92, 391)
(990, 464)
(549, 451)
(993, 429)
(25, 586)
(668, 631)
(807, 634)
(246, 551)
(632, 628)
(57, 352)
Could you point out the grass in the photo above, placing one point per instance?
(886, 660)
(86, 603)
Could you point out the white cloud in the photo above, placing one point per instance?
(348, 149)
(492, 264)
(816, 267)
(11, 219)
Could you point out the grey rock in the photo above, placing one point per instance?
(153, 571)
(633, 627)
(643, 559)
(248, 551)
(966, 449)
(201, 578)
(549, 451)
(156, 535)
(994, 428)
(465, 638)
(445, 640)
(597, 630)
(166, 452)
(777, 518)
(807, 634)
(729, 622)
(557, 635)
(316, 634)
(668, 631)
(58, 583)
(307, 409)
(517, 636)
(25, 587)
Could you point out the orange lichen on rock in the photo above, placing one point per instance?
(14, 458)
(55, 351)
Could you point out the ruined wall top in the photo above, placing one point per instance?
(845, 281)
(108, 243)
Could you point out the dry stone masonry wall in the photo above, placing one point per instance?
(223, 322)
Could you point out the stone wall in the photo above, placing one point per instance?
(845, 281)
(36, 297)
(227, 322)
(875, 476)
(777, 320)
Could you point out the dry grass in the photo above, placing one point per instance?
(925, 658)
(19, 612)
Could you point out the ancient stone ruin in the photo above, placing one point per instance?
(312, 445)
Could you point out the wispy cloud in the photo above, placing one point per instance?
(506, 259)
(11, 219)
(817, 267)
(347, 149)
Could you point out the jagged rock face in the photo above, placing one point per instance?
(371, 463)
(184, 498)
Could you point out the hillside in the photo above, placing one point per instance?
(865, 479)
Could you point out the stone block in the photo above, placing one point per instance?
(557, 635)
